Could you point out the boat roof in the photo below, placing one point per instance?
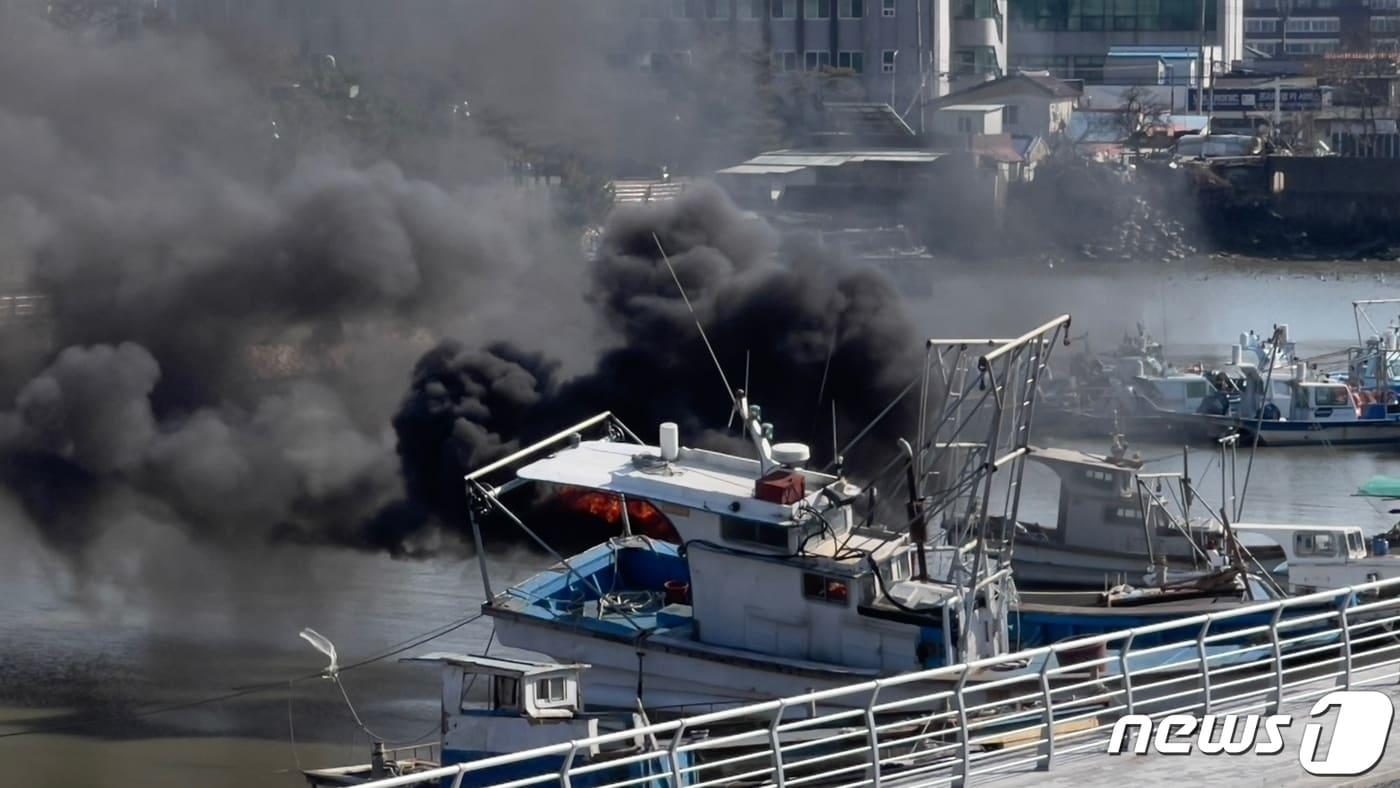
(1280, 528)
(697, 479)
(1076, 457)
(503, 666)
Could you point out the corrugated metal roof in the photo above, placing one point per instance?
(983, 108)
(798, 159)
(761, 169)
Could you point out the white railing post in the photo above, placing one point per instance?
(674, 757)
(457, 781)
(1205, 663)
(1342, 621)
(1278, 660)
(564, 779)
(1047, 749)
(779, 779)
(965, 748)
(873, 735)
(1127, 674)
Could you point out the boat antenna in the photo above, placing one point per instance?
(728, 391)
(915, 509)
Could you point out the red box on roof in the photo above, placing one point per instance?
(781, 486)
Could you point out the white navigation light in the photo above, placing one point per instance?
(791, 453)
(670, 441)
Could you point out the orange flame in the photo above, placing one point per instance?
(607, 507)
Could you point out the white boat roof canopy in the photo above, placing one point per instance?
(697, 479)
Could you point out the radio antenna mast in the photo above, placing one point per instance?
(728, 391)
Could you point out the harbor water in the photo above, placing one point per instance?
(150, 622)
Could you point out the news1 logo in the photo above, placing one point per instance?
(1360, 729)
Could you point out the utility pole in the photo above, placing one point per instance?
(1201, 56)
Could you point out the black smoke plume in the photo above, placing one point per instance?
(810, 329)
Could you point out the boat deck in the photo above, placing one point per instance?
(1096, 767)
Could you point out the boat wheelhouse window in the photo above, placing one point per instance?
(827, 589)
(1124, 514)
(507, 692)
(1315, 544)
(1102, 477)
(1331, 397)
(551, 690)
(1197, 389)
(1354, 543)
(737, 529)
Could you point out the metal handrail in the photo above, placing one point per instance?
(1040, 714)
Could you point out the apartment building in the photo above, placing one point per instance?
(1301, 28)
(1071, 38)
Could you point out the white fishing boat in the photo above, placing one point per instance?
(1324, 557)
(785, 578)
(1112, 527)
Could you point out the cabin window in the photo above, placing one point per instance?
(1197, 389)
(1101, 477)
(737, 529)
(551, 691)
(827, 589)
(1332, 397)
(1354, 543)
(507, 691)
(1315, 544)
(1124, 514)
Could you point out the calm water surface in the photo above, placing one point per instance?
(155, 621)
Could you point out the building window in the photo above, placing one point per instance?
(975, 9)
(850, 9)
(1379, 24)
(1097, 15)
(1088, 68)
(1386, 5)
(964, 125)
(887, 61)
(1318, 46)
(1317, 25)
(1261, 25)
(887, 8)
(717, 9)
(1012, 115)
(964, 62)
(817, 9)
(752, 9)
(785, 61)
(827, 589)
(784, 9)
(853, 60)
(816, 60)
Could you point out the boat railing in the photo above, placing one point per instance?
(1011, 713)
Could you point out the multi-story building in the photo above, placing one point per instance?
(1071, 38)
(893, 50)
(1301, 28)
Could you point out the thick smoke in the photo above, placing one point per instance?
(230, 326)
(231, 322)
(809, 329)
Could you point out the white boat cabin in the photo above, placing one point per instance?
(1321, 557)
(1101, 510)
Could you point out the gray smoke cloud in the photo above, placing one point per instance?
(236, 300)
(230, 328)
